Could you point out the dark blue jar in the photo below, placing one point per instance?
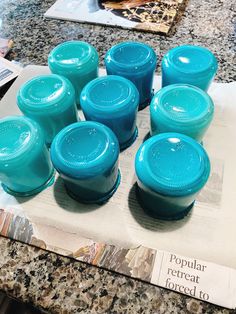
(112, 100)
(135, 61)
(86, 156)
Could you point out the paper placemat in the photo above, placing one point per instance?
(154, 16)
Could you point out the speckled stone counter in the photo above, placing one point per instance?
(61, 285)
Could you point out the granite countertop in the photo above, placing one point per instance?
(61, 285)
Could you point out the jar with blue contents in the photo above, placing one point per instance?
(49, 100)
(136, 62)
(113, 101)
(77, 61)
(181, 108)
(25, 165)
(171, 170)
(188, 64)
(85, 154)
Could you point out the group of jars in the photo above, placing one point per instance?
(171, 166)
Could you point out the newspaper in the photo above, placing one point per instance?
(195, 256)
(8, 71)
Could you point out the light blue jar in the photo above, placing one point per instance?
(49, 100)
(189, 64)
(76, 60)
(86, 156)
(181, 108)
(25, 165)
(171, 170)
(136, 62)
(113, 101)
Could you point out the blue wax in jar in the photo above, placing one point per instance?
(86, 156)
(49, 100)
(76, 60)
(25, 165)
(135, 61)
(171, 170)
(113, 101)
(181, 108)
(189, 64)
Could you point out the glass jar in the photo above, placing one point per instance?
(113, 101)
(49, 100)
(189, 64)
(86, 156)
(181, 108)
(136, 62)
(25, 165)
(76, 60)
(171, 170)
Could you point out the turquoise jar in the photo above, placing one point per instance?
(25, 165)
(76, 60)
(136, 62)
(86, 156)
(181, 108)
(49, 100)
(171, 170)
(113, 101)
(188, 64)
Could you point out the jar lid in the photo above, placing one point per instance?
(18, 136)
(190, 60)
(46, 92)
(172, 164)
(109, 95)
(182, 105)
(131, 56)
(73, 57)
(84, 149)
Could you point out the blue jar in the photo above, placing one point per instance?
(49, 100)
(181, 108)
(171, 170)
(76, 60)
(136, 62)
(189, 64)
(86, 156)
(25, 165)
(113, 101)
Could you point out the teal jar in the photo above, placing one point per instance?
(76, 60)
(136, 62)
(189, 64)
(49, 100)
(171, 170)
(86, 156)
(181, 108)
(113, 101)
(25, 165)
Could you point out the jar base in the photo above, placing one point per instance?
(39, 189)
(130, 141)
(155, 215)
(99, 201)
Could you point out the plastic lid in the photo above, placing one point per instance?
(46, 92)
(73, 57)
(84, 149)
(190, 59)
(18, 136)
(131, 56)
(172, 164)
(182, 105)
(109, 95)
